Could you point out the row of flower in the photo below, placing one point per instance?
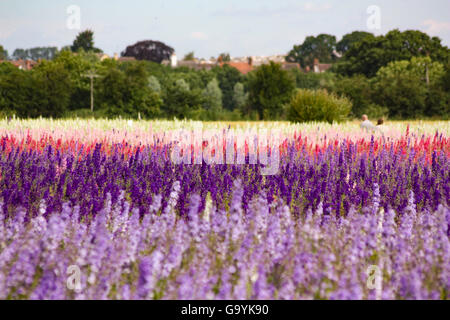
(131, 222)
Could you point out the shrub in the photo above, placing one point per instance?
(318, 105)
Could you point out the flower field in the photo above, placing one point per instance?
(100, 210)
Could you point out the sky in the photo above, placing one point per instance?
(210, 27)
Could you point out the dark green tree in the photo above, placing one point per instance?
(3, 53)
(189, 56)
(270, 89)
(53, 89)
(85, 41)
(180, 101)
(350, 39)
(371, 53)
(225, 57)
(19, 54)
(227, 77)
(320, 47)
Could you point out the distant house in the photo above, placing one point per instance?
(196, 65)
(242, 67)
(321, 67)
(26, 65)
(290, 65)
(243, 64)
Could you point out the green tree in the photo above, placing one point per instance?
(180, 101)
(16, 92)
(320, 47)
(84, 41)
(270, 88)
(189, 56)
(47, 53)
(154, 85)
(401, 86)
(225, 57)
(371, 53)
(227, 77)
(53, 89)
(3, 53)
(351, 39)
(312, 80)
(126, 92)
(359, 89)
(239, 96)
(318, 105)
(78, 65)
(19, 54)
(212, 97)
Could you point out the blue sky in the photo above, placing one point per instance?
(209, 27)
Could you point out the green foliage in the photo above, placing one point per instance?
(239, 96)
(312, 80)
(371, 53)
(318, 105)
(180, 101)
(153, 83)
(227, 77)
(412, 89)
(320, 47)
(189, 56)
(85, 41)
(359, 89)
(225, 57)
(52, 87)
(3, 53)
(43, 92)
(126, 92)
(47, 53)
(350, 39)
(270, 88)
(212, 97)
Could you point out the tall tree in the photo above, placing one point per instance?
(85, 41)
(212, 96)
(270, 88)
(320, 47)
(19, 54)
(3, 53)
(225, 57)
(350, 39)
(403, 86)
(227, 77)
(154, 84)
(53, 88)
(180, 100)
(47, 53)
(239, 96)
(371, 53)
(189, 56)
(155, 51)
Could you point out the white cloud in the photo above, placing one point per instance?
(436, 27)
(199, 35)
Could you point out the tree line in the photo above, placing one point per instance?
(400, 75)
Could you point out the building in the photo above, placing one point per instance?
(26, 65)
(321, 67)
(243, 64)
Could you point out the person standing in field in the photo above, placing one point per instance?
(380, 127)
(367, 125)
